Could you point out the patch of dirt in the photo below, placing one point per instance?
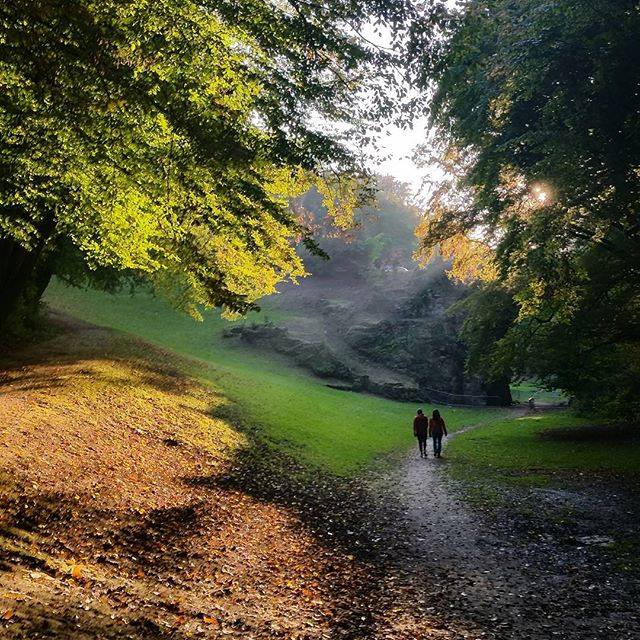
(523, 563)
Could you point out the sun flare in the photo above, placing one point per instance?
(541, 193)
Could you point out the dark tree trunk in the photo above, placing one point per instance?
(24, 276)
(498, 393)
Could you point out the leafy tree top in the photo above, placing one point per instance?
(536, 106)
(163, 137)
(536, 111)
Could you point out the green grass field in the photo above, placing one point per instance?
(338, 430)
(548, 441)
(522, 391)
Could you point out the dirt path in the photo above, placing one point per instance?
(506, 577)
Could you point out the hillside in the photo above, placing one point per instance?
(146, 494)
(391, 334)
(369, 318)
(337, 430)
(131, 507)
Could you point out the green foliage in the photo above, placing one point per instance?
(163, 138)
(383, 233)
(489, 312)
(537, 110)
(338, 430)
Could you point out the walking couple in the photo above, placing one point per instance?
(433, 427)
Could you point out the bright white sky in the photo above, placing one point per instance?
(399, 145)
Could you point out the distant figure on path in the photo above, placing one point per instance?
(421, 431)
(437, 429)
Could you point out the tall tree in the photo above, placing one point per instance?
(162, 138)
(536, 106)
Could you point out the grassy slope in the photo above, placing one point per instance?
(543, 441)
(340, 431)
(116, 515)
(89, 405)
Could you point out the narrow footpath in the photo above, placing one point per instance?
(504, 577)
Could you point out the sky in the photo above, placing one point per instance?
(399, 144)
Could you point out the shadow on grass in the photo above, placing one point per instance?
(603, 433)
(160, 547)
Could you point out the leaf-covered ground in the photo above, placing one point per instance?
(339, 431)
(138, 502)
(133, 506)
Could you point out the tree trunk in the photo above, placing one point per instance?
(24, 275)
(499, 394)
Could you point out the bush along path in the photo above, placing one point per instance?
(135, 504)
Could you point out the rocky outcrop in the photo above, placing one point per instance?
(317, 357)
(392, 390)
(410, 352)
(420, 341)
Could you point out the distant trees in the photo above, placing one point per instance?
(537, 111)
(162, 138)
(382, 234)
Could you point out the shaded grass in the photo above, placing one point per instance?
(337, 430)
(545, 441)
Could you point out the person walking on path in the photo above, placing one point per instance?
(437, 429)
(421, 431)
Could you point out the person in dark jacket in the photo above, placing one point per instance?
(421, 431)
(437, 429)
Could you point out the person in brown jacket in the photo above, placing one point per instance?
(421, 431)
(437, 429)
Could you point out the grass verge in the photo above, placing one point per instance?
(547, 441)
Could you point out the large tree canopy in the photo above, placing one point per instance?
(536, 106)
(162, 138)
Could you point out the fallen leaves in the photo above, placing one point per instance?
(175, 543)
(75, 571)
(14, 595)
